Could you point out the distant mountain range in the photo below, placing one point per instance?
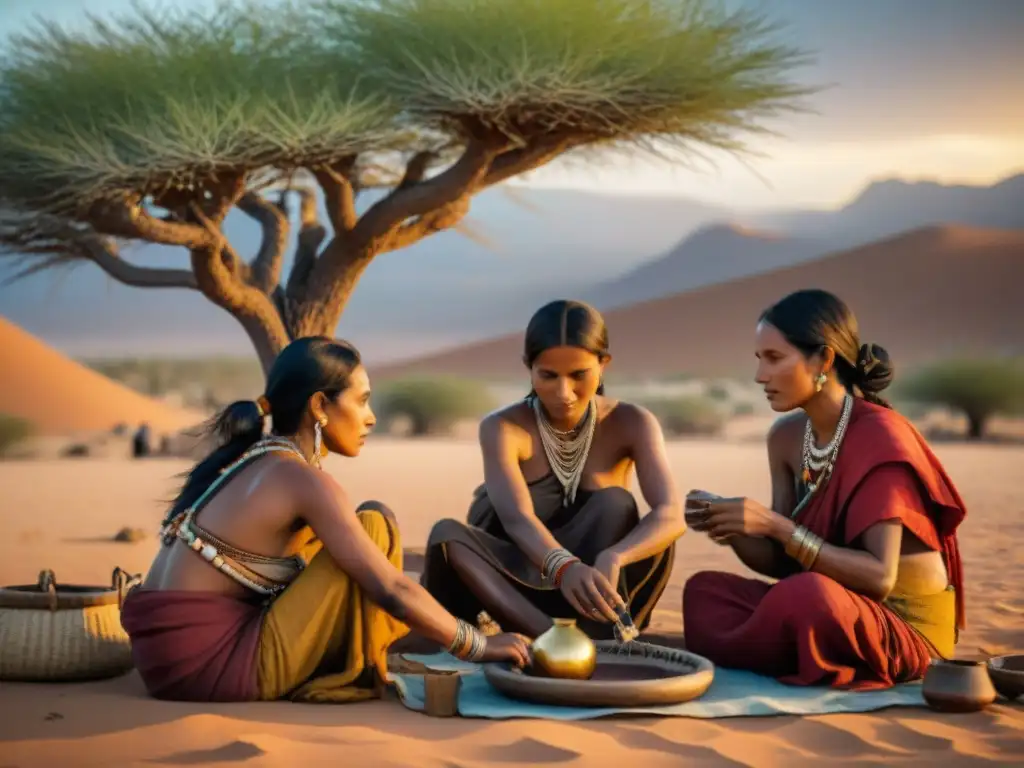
(924, 295)
(752, 244)
(613, 250)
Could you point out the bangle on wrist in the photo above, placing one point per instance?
(804, 547)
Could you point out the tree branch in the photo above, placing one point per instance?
(51, 242)
(105, 255)
(339, 193)
(311, 236)
(129, 220)
(416, 169)
(459, 179)
(265, 271)
(533, 155)
(413, 231)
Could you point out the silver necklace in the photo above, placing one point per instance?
(823, 460)
(283, 442)
(567, 452)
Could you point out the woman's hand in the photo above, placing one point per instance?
(696, 509)
(589, 592)
(508, 646)
(725, 518)
(608, 564)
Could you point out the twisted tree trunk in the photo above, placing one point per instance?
(274, 311)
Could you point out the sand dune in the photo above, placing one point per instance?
(924, 295)
(66, 511)
(59, 395)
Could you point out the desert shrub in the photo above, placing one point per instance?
(77, 451)
(979, 389)
(743, 409)
(688, 415)
(12, 431)
(717, 391)
(432, 405)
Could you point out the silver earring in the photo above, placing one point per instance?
(819, 382)
(318, 439)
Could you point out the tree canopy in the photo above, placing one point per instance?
(152, 126)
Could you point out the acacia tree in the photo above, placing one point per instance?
(152, 127)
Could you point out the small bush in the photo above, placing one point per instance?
(13, 431)
(743, 409)
(718, 392)
(979, 389)
(681, 416)
(432, 405)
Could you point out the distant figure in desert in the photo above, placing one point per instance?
(270, 583)
(861, 530)
(553, 530)
(141, 447)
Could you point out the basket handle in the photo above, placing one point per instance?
(122, 583)
(48, 586)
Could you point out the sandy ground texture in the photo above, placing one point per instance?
(62, 515)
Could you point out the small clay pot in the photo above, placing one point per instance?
(958, 686)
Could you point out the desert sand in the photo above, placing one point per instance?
(923, 295)
(59, 395)
(61, 515)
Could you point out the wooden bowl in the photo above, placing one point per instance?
(1007, 673)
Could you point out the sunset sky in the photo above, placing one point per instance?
(922, 89)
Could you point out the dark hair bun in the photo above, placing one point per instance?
(874, 369)
(242, 419)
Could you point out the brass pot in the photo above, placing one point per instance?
(958, 686)
(564, 651)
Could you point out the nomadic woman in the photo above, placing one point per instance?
(553, 531)
(862, 529)
(269, 584)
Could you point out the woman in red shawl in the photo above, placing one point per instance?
(861, 534)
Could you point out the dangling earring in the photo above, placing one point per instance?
(819, 382)
(318, 439)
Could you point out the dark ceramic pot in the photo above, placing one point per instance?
(958, 686)
(1007, 673)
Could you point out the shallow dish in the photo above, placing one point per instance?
(636, 674)
(1007, 673)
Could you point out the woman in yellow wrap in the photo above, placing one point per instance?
(270, 583)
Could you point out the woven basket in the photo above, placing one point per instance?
(51, 632)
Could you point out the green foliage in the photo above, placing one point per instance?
(432, 405)
(743, 409)
(613, 68)
(13, 431)
(157, 99)
(718, 392)
(174, 99)
(978, 388)
(688, 415)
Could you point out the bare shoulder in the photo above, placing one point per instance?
(307, 486)
(787, 432)
(516, 417)
(630, 417)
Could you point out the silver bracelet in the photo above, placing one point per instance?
(555, 559)
(459, 642)
(478, 645)
(550, 561)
